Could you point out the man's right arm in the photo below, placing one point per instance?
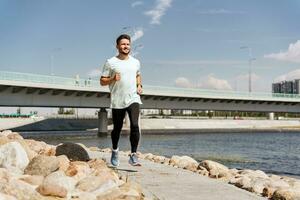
(106, 80)
(106, 77)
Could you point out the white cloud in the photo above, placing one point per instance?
(207, 82)
(219, 12)
(211, 82)
(289, 76)
(183, 82)
(136, 3)
(291, 55)
(94, 73)
(137, 34)
(159, 10)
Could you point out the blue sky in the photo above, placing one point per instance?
(194, 43)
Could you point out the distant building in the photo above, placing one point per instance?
(287, 87)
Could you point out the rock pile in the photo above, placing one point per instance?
(29, 170)
(271, 186)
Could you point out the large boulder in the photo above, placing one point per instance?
(74, 152)
(52, 190)
(273, 185)
(258, 185)
(30, 153)
(159, 159)
(216, 170)
(37, 146)
(15, 137)
(148, 156)
(241, 182)
(13, 157)
(42, 165)
(184, 162)
(57, 184)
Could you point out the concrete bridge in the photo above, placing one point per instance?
(32, 90)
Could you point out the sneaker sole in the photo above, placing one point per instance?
(135, 164)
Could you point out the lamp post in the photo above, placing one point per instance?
(250, 66)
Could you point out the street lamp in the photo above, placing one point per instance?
(52, 59)
(250, 66)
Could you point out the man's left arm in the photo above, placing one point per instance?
(139, 84)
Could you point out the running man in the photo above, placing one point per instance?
(122, 74)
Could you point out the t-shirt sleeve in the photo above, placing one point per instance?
(138, 71)
(106, 69)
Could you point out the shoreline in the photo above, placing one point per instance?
(165, 125)
(91, 138)
(192, 178)
(94, 133)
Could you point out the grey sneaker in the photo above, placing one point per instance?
(133, 160)
(115, 158)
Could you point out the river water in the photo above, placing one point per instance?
(277, 153)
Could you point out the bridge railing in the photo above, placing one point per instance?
(151, 90)
(220, 93)
(53, 80)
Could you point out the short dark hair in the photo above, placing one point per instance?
(123, 36)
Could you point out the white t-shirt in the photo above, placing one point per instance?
(124, 91)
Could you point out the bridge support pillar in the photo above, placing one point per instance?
(271, 116)
(102, 122)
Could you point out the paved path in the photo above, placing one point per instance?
(169, 183)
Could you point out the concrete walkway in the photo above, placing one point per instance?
(169, 183)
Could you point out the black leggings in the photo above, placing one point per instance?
(118, 117)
